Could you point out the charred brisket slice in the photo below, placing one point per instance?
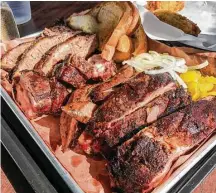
(69, 128)
(141, 163)
(71, 75)
(9, 60)
(56, 30)
(32, 94)
(103, 90)
(79, 45)
(37, 95)
(79, 70)
(58, 94)
(34, 53)
(126, 100)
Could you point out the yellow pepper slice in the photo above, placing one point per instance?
(191, 76)
(199, 86)
(193, 88)
(210, 79)
(206, 87)
(213, 93)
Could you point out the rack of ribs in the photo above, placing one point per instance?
(142, 162)
(136, 102)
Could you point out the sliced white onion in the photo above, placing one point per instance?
(180, 81)
(154, 53)
(160, 71)
(172, 73)
(200, 66)
(145, 56)
(147, 62)
(180, 69)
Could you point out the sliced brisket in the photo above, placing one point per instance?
(32, 94)
(69, 117)
(103, 90)
(35, 52)
(141, 163)
(56, 30)
(37, 95)
(79, 70)
(79, 45)
(71, 75)
(10, 59)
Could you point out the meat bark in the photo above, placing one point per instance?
(141, 163)
(10, 59)
(103, 90)
(79, 45)
(125, 105)
(39, 48)
(58, 94)
(56, 30)
(32, 94)
(79, 70)
(69, 127)
(71, 75)
(115, 133)
(37, 95)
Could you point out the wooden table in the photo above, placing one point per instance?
(45, 14)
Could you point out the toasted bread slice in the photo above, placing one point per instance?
(108, 15)
(121, 29)
(101, 19)
(125, 44)
(135, 21)
(140, 41)
(85, 23)
(121, 56)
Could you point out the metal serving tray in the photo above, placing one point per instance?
(73, 186)
(35, 136)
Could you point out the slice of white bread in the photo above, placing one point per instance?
(110, 21)
(108, 15)
(121, 29)
(101, 19)
(85, 23)
(140, 41)
(136, 19)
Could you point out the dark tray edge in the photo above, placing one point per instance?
(24, 161)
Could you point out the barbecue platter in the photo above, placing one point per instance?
(132, 105)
